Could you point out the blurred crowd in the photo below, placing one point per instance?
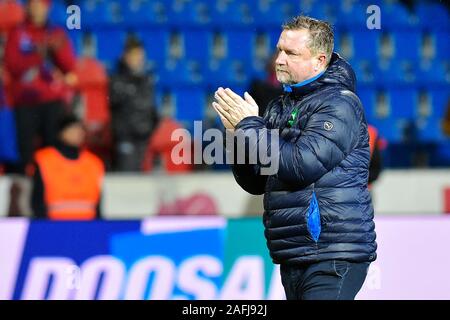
(55, 106)
(43, 82)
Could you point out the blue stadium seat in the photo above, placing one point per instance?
(273, 13)
(403, 103)
(156, 44)
(407, 45)
(197, 44)
(57, 14)
(141, 13)
(368, 100)
(392, 72)
(352, 15)
(95, 13)
(397, 16)
(429, 127)
(76, 37)
(442, 44)
(365, 72)
(435, 72)
(240, 45)
(194, 13)
(110, 43)
(180, 73)
(395, 122)
(190, 105)
(366, 44)
(433, 16)
(227, 73)
(234, 13)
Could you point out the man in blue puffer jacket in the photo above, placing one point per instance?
(318, 211)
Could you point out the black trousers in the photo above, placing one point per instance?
(326, 280)
(40, 121)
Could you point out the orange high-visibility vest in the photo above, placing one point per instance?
(373, 136)
(72, 188)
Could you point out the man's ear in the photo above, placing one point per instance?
(322, 60)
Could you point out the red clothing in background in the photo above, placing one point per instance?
(36, 59)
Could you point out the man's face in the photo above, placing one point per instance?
(295, 63)
(38, 11)
(74, 135)
(135, 59)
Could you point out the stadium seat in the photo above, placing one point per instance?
(97, 13)
(93, 85)
(189, 13)
(231, 13)
(76, 37)
(435, 72)
(366, 45)
(273, 13)
(156, 44)
(240, 45)
(429, 123)
(407, 45)
(109, 45)
(392, 72)
(197, 45)
(176, 73)
(433, 15)
(58, 13)
(190, 106)
(442, 44)
(396, 16)
(352, 14)
(138, 13)
(227, 73)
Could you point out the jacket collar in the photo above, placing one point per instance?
(339, 72)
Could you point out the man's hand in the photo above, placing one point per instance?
(232, 108)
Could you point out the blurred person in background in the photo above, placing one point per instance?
(376, 164)
(446, 125)
(40, 61)
(263, 91)
(318, 210)
(67, 180)
(134, 114)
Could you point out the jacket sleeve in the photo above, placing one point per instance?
(328, 137)
(246, 175)
(17, 62)
(63, 52)
(249, 178)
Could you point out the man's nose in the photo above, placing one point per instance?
(281, 58)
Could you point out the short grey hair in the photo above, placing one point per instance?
(320, 33)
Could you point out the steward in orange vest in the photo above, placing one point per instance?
(67, 180)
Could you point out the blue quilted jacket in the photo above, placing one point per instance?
(317, 206)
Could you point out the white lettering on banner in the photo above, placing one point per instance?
(45, 272)
(110, 286)
(373, 280)
(190, 282)
(164, 277)
(64, 280)
(246, 280)
(276, 289)
(73, 279)
(13, 234)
